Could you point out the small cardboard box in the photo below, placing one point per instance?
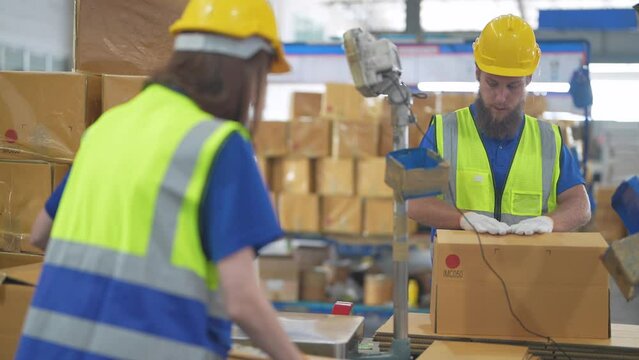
(118, 89)
(334, 176)
(43, 115)
(342, 214)
(457, 350)
(313, 287)
(343, 102)
(557, 285)
(355, 139)
(370, 178)
(124, 37)
(17, 284)
(292, 175)
(308, 257)
(311, 139)
(298, 212)
(378, 218)
(270, 138)
(305, 104)
(279, 277)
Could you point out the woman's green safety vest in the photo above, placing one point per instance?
(531, 184)
(130, 212)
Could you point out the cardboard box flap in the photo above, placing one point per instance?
(9, 260)
(22, 275)
(449, 350)
(562, 239)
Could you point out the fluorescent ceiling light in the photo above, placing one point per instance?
(468, 86)
(611, 68)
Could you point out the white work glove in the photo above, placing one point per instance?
(483, 224)
(539, 224)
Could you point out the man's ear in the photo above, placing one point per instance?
(477, 73)
(528, 80)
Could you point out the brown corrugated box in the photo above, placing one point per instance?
(118, 89)
(313, 287)
(456, 350)
(370, 178)
(43, 115)
(310, 138)
(308, 257)
(292, 176)
(18, 275)
(378, 289)
(557, 285)
(605, 219)
(415, 134)
(298, 212)
(335, 176)
(305, 104)
(355, 139)
(124, 37)
(270, 138)
(535, 105)
(451, 101)
(24, 188)
(378, 218)
(279, 277)
(343, 102)
(341, 214)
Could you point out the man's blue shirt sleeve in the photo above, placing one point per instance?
(236, 211)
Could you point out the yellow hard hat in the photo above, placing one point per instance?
(507, 47)
(237, 19)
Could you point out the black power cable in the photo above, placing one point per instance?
(548, 339)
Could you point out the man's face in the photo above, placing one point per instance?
(500, 104)
(501, 94)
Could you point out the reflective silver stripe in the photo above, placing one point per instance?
(136, 270)
(155, 268)
(107, 340)
(549, 153)
(450, 133)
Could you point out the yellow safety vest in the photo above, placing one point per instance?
(531, 184)
(129, 212)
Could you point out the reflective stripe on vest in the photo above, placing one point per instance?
(102, 339)
(156, 268)
(526, 196)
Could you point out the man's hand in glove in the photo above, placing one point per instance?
(483, 224)
(539, 224)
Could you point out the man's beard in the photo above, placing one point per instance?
(500, 129)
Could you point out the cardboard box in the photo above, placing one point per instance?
(313, 285)
(343, 102)
(452, 101)
(458, 350)
(298, 212)
(370, 178)
(270, 138)
(118, 89)
(308, 257)
(311, 139)
(341, 214)
(356, 139)
(535, 105)
(305, 104)
(378, 289)
(335, 176)
(557, 285)
(279, 277)
(378, 218)
(43, 115)
(24, 188)
(605, 219)
(415, 134)
(292, 176)
(124, 37)
(17, 285)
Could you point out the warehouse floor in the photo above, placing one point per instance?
(622, 311)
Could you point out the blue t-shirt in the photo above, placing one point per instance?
(500, 155)
(236, 211)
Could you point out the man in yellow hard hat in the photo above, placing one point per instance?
(150, 253)
(510, 173)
